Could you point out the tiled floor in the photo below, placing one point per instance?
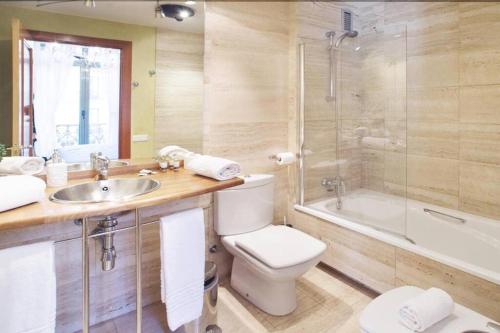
(327, 302)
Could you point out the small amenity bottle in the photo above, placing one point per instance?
(57, 171)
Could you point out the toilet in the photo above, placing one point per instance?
(267, 258)
(381, 316)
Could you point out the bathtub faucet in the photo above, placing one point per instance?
(335, 184)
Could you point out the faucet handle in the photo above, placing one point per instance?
(102, 162)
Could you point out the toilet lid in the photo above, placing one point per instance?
(381, 315)
(280, 246)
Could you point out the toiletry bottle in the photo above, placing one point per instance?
(57, 171)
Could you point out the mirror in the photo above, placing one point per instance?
(118, 78)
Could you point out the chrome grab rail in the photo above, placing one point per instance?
(440, 215)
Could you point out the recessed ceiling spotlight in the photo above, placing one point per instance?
(190, 2)
(177, 12)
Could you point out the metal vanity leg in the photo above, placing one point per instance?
(138, 269)
(85, 272)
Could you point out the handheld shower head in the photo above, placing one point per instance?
(350, 34)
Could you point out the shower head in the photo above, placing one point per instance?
(350, 34)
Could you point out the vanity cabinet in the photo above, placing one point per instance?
(113, 293)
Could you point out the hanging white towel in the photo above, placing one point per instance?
(17, 191)
(22, 165)
(213, 167)
(182, 253)
(28, 289)
(426, 309)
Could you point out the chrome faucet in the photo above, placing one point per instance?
(100, 164)
(335, 184)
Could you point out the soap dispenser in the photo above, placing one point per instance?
(57, 171)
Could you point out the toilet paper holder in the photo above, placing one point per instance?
(275, 156)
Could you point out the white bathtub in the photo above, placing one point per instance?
(467, 242)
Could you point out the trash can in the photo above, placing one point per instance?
(207, 323)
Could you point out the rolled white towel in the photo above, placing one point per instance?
(22, 165)
(426, 309)
(173, 152)
(22, 190)
(213, 167)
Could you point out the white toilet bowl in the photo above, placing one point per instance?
(381, 316)
(267, 258)
(268, 282)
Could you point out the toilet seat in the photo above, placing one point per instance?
(279, 246)
(254, 274)
(259, 265)
(381, 315)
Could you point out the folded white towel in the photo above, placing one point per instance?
(22, 165)
(173, 152)
(17, 191)
(426, 309)
(213, 167)
(28, 289)
(182, 252)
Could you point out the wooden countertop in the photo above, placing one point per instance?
(174, 186)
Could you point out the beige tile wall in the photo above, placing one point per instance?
(179, 90)
(452, 155)
(453, 103)
(246, 87)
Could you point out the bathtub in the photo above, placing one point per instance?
(467, 242)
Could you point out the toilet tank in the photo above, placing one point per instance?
(246, 207)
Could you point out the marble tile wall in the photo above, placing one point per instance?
(246, 87)
(441, 136)
(453, 103)
(179, 90)
(311, 21)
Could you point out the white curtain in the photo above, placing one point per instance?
(57, 86)
(51, 67)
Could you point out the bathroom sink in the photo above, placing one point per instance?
(105, 190)
(86, 165)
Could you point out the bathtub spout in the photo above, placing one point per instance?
(335, 184)
(339, 203)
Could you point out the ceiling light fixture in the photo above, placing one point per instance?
(190, 3)
(177, 12)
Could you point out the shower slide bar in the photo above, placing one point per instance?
(440, 215)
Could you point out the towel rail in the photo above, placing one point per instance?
(85, 277)
(84, 238)
(138, 270)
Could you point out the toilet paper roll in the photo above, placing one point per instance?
(285, 158)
